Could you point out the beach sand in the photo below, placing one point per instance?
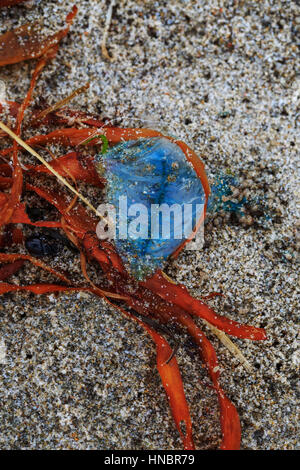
(222, 77)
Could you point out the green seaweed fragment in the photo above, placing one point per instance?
(104, 142)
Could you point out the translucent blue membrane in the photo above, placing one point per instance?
(221, 192)
(150, 171)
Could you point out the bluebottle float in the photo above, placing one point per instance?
(148, 174)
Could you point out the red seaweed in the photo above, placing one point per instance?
(29, 42)
(8, 3)
(10, 269)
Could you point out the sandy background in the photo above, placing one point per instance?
(222, 76)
